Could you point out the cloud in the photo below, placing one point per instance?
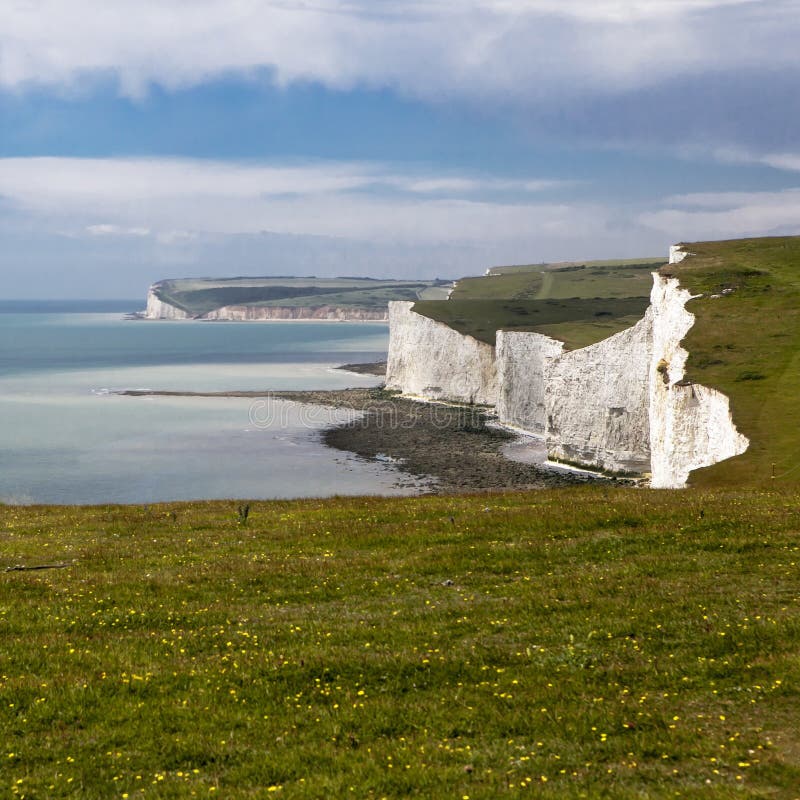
(178, 201)
(105, 197)
(518, 49)
(114, 230)
(439, 185)
(151, 218)
(784, 161)
(54, 179)
(137, 220)
(787, 162)
(723, 215)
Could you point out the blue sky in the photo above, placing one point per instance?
(143, 140)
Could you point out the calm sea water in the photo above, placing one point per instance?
(66, 438)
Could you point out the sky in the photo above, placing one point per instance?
(147, 139)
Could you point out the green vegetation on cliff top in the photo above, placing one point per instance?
(198, 296)
(580, 303)
(576, 643)
(746, 343)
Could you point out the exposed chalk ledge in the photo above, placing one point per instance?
(620, 405)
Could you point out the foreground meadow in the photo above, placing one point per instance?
(577, 643)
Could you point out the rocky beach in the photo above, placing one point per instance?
(456, 448)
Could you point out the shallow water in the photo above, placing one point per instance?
(66, 438)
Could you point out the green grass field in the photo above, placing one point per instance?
(547, 266)
(606, 279)
(588, 643)
(580, 304)
(747, 345)
(198, 296)
(577, 322)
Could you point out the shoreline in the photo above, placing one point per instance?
(456, 448)
(456, 445)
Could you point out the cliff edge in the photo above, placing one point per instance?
(622, 405)
(158, 309)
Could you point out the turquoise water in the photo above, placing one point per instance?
(65, 437)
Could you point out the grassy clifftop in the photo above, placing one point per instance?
(578, 303)
(746, 343)
(565, 644)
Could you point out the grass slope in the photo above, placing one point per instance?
(613, 262)
(566, 644)
(560, 281)
(747, 345)
(577, 322)
(198, 296)
(580, 304)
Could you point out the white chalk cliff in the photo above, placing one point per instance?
(261, 313)
(158, 309)
(677, 254)
(596, 400)
(524, 361)
(430, 360)
(690, 425)
(620, 405)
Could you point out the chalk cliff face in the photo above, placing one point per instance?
(524, 362)
(157, 309)
(620, 405)
(677, 254)
(429, 359)
(597, 402)
(248, 313)
(590, 405)
(690, 425)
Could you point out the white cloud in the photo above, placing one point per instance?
(207, 215)
(135, 197)
(105, 229)
(53, 180)
(74, 225)
(786, 161)
(723, 215)
(514, 48)
(451, 185)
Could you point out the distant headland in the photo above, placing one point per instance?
(283, 298)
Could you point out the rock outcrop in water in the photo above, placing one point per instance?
(621, 405)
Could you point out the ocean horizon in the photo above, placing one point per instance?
(67, 437)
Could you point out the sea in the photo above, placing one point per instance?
(67, 437)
